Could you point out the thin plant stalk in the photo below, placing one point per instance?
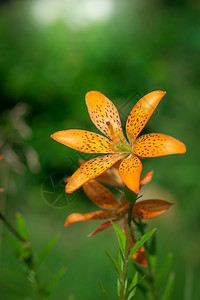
(126, 253)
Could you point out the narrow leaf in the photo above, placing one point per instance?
(118, 287)
(121, 237)
(21, 227)
(113, 260)
(45, 251)
(141, 241)
(152, 252)
(132, 289)
(16, 245)
(103, 290)
(48, 287)
(168, 287)
(163, 271)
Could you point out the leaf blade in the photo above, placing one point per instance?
(45, 251)
(120, 236)
(103, 289)
(113, 260)
(141, 241)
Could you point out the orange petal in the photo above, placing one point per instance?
(1, 157)
(94, 215)
(1, 190)
(146, 178)
(90, 170)
(129, 171)
(157, 144)
(103, 226)
(103, 112)
(84, 141)
(148, 209)
(141, 113)
(111, 177)
(100, 195)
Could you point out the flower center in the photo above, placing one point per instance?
(119, 144)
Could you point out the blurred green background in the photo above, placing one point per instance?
(51, 54)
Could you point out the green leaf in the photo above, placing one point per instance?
(120, 263)
(48, 287)
(141, 241)
(21, 227)
(118, 287)
(121, 236)
(130, 195)
(152, 252)
(163, 271)
(132, 288)
(117, 267)
(149, 295)
(45, 251)
(16, 245)
(168, 287)
(103, 290)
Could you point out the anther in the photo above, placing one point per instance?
(113, 135)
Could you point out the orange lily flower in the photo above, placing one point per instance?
(115, 211)
(105, 116)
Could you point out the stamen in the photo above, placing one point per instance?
(114, 137)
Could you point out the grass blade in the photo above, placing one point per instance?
(163, 271)
(103, 290)
(169, 286)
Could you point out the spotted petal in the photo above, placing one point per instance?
(129, 171)
(84, 141)
(100, 195)
(102, 111)
(90, 170)
(157, 144)
(94, 215)
(148, 209)
(141, 113)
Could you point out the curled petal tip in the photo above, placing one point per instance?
(68, 189)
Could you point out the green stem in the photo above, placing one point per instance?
(126, 253)
(12, 229)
